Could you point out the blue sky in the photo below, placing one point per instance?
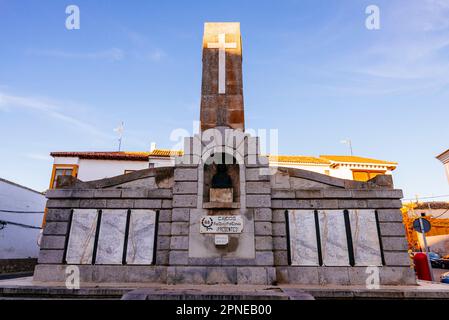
(311, 70)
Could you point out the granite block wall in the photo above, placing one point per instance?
(269, 202)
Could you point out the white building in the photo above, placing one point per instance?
(21, 213)
(87, 166)
(444, 158)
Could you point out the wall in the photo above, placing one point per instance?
(294, 190)
(100, 169)
(68, 160)
(155, 195)
(162, 162)
(90, 169)
(444, 158)
(175, 194)
(440, 227)
(344, 172)
(19, 242)
(433, 213)
(315, 168)
(446, 166)
(438, 244)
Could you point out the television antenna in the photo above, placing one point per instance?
(119, 131)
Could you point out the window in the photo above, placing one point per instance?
(62, 170)
(365, 175)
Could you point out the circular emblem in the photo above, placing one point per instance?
(207, 223)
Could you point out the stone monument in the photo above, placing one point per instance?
(221, 215)
(222, 86)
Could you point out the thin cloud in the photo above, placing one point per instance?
(113, 54)
(39, 157)
(136, 37)
(434, 14)
(50, 108)
(143, 47)
(409, 55)
(156, 55)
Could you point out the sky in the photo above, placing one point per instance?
(311, 69)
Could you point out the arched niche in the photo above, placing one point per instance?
(215, 163)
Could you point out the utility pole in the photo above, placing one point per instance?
(426, 247)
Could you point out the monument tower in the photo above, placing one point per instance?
(222, 86)
(209, 221)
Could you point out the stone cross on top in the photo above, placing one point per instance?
(222, 87)
(221, 45)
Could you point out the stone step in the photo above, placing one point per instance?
(207, 294)
(25, 289)
(42, 293)
(158, 293)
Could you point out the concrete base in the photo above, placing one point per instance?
(27, 288)
(8, 266)
(219, 274)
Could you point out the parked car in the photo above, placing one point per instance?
(444, 263)
(435, 260)
(439, 263)
(434, 256)
(445, 277)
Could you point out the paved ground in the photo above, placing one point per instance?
(26, 288)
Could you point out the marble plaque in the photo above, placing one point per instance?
(334, 245)
(365, 238)
(82, 236)
(221, 224)
(112, 237)
(240, 246)
(141, 237)
(303, 240)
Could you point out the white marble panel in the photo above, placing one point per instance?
(334, 245)
(112, 237)
(365, 238)
(141, 237)
(82, 236)
(303, 240)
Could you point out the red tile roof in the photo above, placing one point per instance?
(107, 155)
(165, 153)
(119, 155)
(355, 159)
(298, 159)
